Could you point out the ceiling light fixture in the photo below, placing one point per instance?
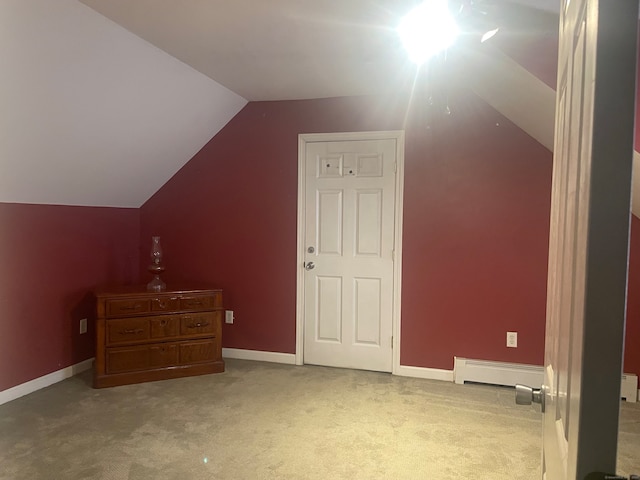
(427, 30)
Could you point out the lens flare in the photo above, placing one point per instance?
(427, 30)
(488, 35)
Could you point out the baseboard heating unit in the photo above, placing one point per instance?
(509, 374)
(496, 373)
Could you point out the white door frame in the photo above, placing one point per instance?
(303, 139)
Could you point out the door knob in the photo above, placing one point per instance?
(309, 266)
(527, 395)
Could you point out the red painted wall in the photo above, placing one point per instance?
(632, 333)
(475, 235)
(51, 257)
(475, 238)
(476, 213)
(526, 50)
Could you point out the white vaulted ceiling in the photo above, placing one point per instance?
(276, 49)
(283, 49)
(104, 100)
(91, 113)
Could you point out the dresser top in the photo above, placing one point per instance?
(128, 290)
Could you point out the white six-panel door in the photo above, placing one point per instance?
(348, 253)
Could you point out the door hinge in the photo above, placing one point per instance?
(392, 342)
(393, 255)
(395, 167)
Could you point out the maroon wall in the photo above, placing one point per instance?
(476, 213)
(475, 239)
(50, 259)
(632, 334)
(526, 50)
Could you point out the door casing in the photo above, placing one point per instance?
(303, 139)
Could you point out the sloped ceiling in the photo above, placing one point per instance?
(106, 103)
(288, 49)
(283, 49)
(276, 49)
(93, 114)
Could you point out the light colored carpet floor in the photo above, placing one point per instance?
(269, 421)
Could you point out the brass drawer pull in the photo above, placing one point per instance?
(198, 325)
(132, 307)
(131, 331)
(163, 304)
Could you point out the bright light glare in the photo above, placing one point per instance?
(488, 35)
(427, 30)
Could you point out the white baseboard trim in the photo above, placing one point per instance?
(42, 382)
(422, 372)
(629, 387)
(260, 356)
(496, 373)
(290, 359)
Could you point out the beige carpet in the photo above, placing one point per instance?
(269, 421)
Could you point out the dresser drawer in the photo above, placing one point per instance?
(166, 303)
(141, 357)
(165, 326)
(127, 306)
(201, 302)
(197, 351)
(198, 324)
(127, 330)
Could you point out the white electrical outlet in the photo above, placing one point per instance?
(83, 325)
(512, 339)
(228, 316)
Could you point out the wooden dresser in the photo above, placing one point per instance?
(143, 336)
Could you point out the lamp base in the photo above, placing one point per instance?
(156, 285)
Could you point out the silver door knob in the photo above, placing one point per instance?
(527, 395)
(309, 266)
